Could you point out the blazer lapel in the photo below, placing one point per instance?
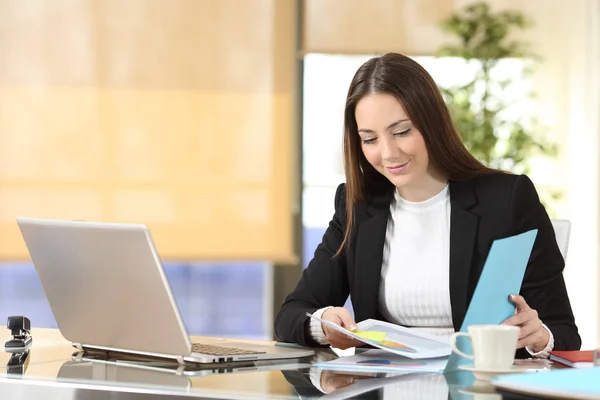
(368, 257)
(463, 230)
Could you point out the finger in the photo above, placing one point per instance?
(519, 302)
(525, 338)
(336, 335)
(516, 320)
(522, 317)
(340, 316)
(332, 315)
(530, 328)
(347, 320)
(331, 332)
(532, 333)
(530, 340)
(526, 342)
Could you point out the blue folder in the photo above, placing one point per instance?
(581, 383)
(502, 275)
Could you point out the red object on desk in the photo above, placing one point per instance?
(575, 359)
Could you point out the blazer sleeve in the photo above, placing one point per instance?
(543, 284)
(323, 283)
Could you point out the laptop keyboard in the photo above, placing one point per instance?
(220, 351)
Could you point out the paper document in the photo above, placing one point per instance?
(395, 339)
(502, 275)
(383, 361)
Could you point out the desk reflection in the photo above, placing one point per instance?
(17, 363)
(324, 384)
(122, 369)
(111, 373)
(301, 379)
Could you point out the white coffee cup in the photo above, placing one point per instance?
(493, 346)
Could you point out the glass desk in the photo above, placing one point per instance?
(53, 369)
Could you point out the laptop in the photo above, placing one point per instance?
(108, 291)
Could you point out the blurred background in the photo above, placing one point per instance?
(218, 123)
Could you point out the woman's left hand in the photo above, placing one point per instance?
(533, 334)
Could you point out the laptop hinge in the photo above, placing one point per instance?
(180, 360)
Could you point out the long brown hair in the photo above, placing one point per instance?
(415, 89)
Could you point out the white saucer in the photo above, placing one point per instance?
(479, 387)
(487, 374)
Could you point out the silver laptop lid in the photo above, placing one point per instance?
(106, 285)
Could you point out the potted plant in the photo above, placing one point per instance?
(498, 130)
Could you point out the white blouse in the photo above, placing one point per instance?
(415, 275)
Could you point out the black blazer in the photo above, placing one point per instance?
(482, 209)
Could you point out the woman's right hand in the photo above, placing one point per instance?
(342, 317)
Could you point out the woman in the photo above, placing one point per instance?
(415, 221)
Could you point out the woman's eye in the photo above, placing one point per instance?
(368, 141)
(402, 133)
